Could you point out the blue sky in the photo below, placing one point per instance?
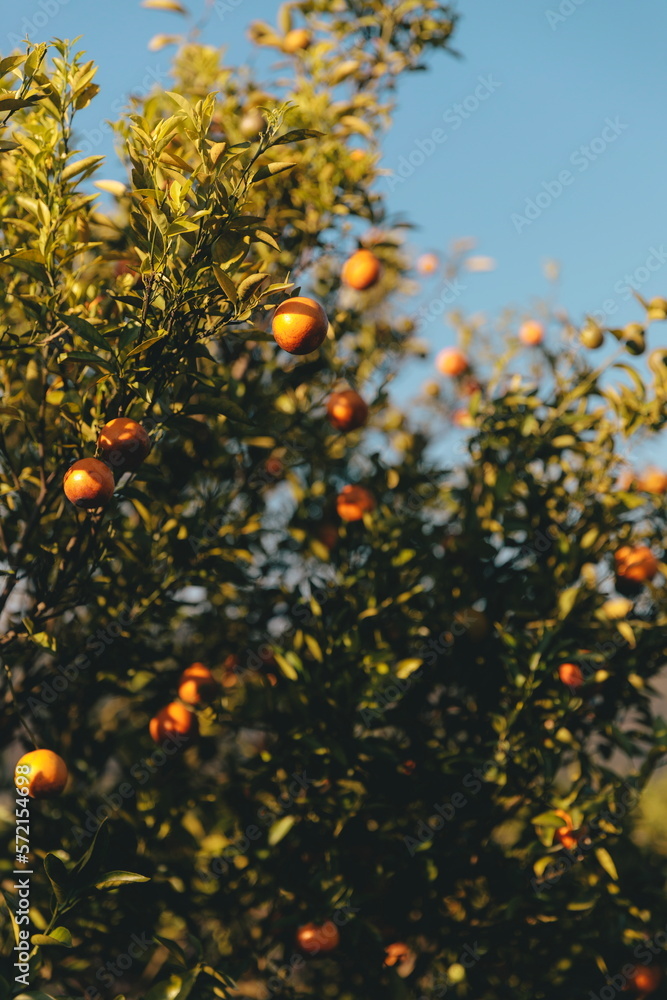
(555, 102)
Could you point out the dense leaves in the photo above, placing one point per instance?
(390, 747)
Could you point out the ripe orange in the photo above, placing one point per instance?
(173, 718)
(646, 979)
(357, 155)
(230, 670)
(123, 443)
(463, 418)
(353, 502)
(652, 481)
(531, 333)
(428, 263)
(636, 563)
(89, 483)
(313, 938)
(47, 774)
(570, 674)
(396, 953)
(296, 39)
(451, 361)
(197, 684)
(299, 325)
(346, 410)
(566, 835)
(361, 270)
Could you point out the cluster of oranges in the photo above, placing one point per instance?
(196, 686)
(122, 444)
(300, 326)
(42, 773)
(315, 939)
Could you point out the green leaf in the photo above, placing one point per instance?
(6, 145)
(280, 829)
(85, 166)
(406, 667)
(144, 345)
(567, 600)
(85, 330)
(175, 988)
(15, 103)
(58, 936)
(112, 879)
(286, 667)
(604, 857)
(90, 359)
(296, 135)
(271, 169)
(97, 851)
(226, 283)
(58, 876)
(549, 819)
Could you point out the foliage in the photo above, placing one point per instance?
(392, 738)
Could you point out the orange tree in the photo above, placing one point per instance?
(337, 719)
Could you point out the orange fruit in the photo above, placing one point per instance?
(463, 418)
(274, 466)
(396, 953)
(652, 481)
(428, 263)
(636, 563)
(531, 333)
(646, 979)
(299, 325)
(123, 444)
(451, 361)
(197, 684)
(230, 670)
(313, 938)
(361, 270)
(353, 502)
(566, 835)
(346, 410)
(89, 483)
(296, 39)
(173, 718)
(357, 155)
(570, 674)
(47, 774)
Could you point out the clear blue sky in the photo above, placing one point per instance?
(558, 80)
